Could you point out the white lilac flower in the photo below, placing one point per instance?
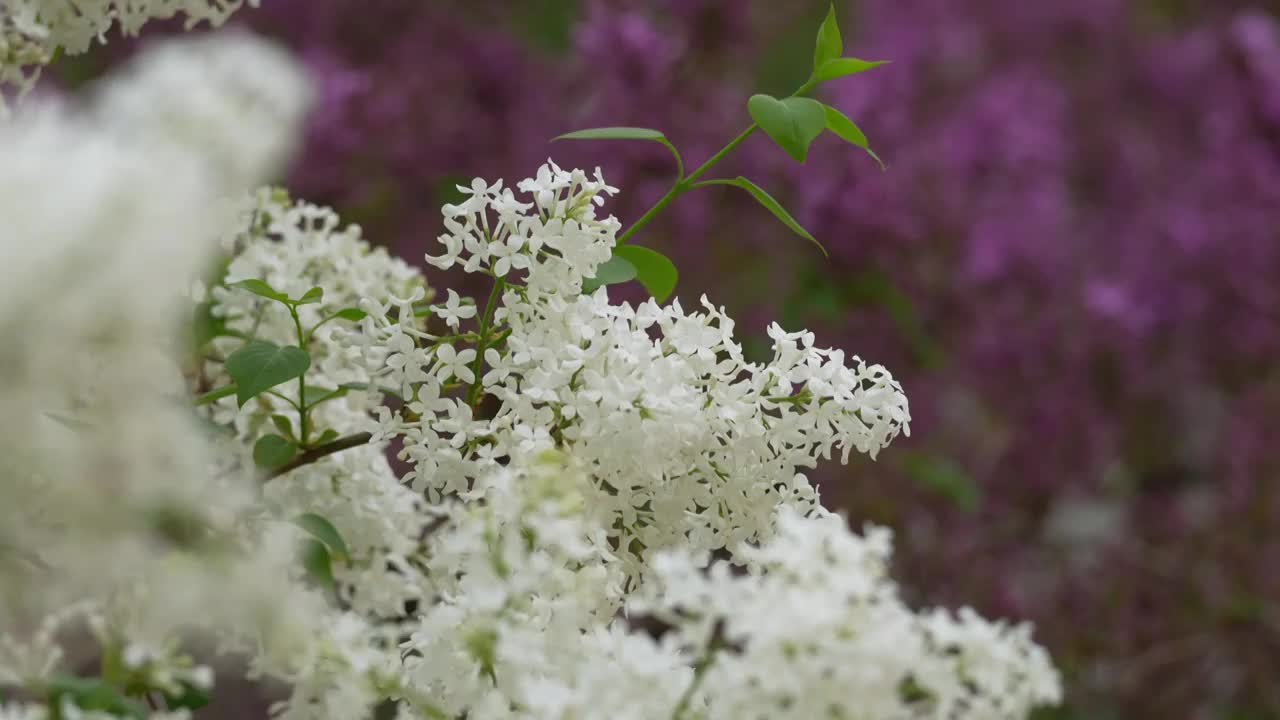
(33, 31)
(454, 311)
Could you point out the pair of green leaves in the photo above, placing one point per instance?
(262, 289)
(795, 122)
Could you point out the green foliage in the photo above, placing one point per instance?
(770, 204)
(829, 45)
(843, 67)
(213, 395)
(205, 326)
(317, 563)
(625, 133)
(261, 289)
(314, 295)
(654, 270)
(260, 365)
(273, 451)
(611, 272)
(842, 126)
(613, 133)
(91, 694)
(324, 531)
(283, 424)
(793, 123)
(352, 314)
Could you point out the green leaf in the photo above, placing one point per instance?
(653, 269)
(842, 67)
(625, 133)
(205, 326)
(273, 451)
(212, 395)
(841, 125)
(316, 561)
(260, 288)
(283, 424)
(314, 295)
(613, 133)
(769, 203)
(353, 314)
(260, 365)
(829, 45)
(793, 123)
(329, 435)
(324, 531)
(613, 271)
(92, 694)
(326, 394)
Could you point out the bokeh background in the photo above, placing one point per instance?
(1072, 263)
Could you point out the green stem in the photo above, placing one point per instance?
(304, 429)
(684, 185)
(734, 143)
(473, 393)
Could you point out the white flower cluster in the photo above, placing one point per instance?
(226, 93)
(572, 464)
(110, 511)
(33, 31)
(817, 630)
(688, 443)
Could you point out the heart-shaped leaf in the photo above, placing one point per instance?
(653, 269)
(829, 45)
(611, 272)
(769, 203)
(793, 123)
(260, 365)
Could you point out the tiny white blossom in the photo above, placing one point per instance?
(454, 310)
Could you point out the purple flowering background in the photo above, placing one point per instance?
(1072, 264)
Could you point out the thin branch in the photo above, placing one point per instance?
(322, 451)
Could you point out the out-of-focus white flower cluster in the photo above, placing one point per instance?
(116, 514)
(32, 32)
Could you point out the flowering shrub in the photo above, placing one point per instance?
(602, 514)
(1072, 265)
